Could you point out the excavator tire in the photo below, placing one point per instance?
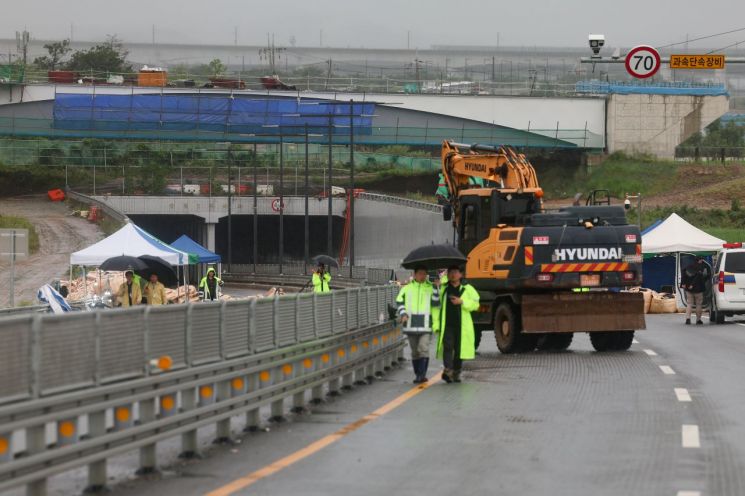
(555, 341)
(508, 331)
(612, 341)
(622, 340)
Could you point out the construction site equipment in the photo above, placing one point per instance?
(540, 273)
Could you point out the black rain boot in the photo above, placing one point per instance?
(416, 363)
(425, 364)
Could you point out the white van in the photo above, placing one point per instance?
(728, 283)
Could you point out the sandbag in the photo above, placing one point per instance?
(663, 305)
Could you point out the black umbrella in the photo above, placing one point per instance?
(123, 262)
(325, 260)
(160, 267)
(433, 257)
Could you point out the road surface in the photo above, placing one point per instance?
(59, 235)
(661, 419)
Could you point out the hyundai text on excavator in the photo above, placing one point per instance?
(541, 275)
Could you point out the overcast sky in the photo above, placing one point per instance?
(380, 23)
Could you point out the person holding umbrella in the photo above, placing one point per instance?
(453, 324)
(415, 303)
(321, 279)
(129, 293)
(155, 292)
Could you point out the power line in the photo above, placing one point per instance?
(724, 48)
(703, 38)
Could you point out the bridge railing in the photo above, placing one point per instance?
(92, 376)
(432, 207)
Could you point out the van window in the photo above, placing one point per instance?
(735, 262)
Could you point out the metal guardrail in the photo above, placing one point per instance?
(372, 276)
(432, 207)
(5, 312)
(229, 358)
(105, 207)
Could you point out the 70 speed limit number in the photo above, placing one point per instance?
(643, 61)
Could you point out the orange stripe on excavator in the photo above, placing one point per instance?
(593, 267)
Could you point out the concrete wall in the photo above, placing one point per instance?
(656, 124)
(386, 231)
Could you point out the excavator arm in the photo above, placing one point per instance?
(499, 168)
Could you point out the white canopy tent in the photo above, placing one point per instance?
(132, 241)
(129, 240)
(674, 236)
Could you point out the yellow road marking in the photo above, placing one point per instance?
(316, 446)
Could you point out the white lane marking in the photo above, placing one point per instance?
(690, 436)
(634, 341)
(689, 493)
(667, 370)
(738, 323)
(682, 394)
(650, 352)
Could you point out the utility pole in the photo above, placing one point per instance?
(416, 71)
(271, 53)
(329, 192)
(329, 62)
(230, 210)
(352, 188)
(493, 60)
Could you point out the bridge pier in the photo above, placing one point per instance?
(210, 228)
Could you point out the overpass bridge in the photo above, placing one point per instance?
(600, 117)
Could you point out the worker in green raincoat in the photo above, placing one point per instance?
(453, 325)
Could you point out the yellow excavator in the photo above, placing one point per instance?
(541, 275)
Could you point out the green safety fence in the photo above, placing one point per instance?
(11, 73)
(374, 136)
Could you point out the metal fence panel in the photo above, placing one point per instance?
(167, 333)
(353, 296)
(305, 310)
(372, 305)
(237, 317)
(264, 339)
(67, 351)
(205, 332)
(362, 303)
(122, 344)
(15, 342)
(340, 311)
(324, 309)
(286, 321)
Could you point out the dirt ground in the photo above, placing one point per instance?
(59, 235)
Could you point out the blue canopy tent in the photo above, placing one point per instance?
(203, 255)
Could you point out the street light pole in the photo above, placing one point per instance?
(230, 211)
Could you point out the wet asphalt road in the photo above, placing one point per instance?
(571, 423)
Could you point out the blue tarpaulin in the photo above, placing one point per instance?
(225, 114)
(185, 243)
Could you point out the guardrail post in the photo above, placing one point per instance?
(96, 470)
(223, 426)
(36, 443)
(277, 407)
(187, 334)
(148, 462)
(252, 416)
(189, 444)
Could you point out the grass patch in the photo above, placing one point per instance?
(729, 234)
(12, 222)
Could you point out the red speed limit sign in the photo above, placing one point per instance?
(278, 205)
(643, 61)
